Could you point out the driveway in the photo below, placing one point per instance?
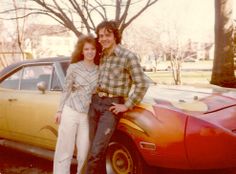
(15, 162)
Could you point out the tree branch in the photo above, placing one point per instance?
(61, 16)
(148, 4)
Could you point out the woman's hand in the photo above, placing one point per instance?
(57, 118)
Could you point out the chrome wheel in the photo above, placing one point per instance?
(119, 160)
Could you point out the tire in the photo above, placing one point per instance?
(123, 157)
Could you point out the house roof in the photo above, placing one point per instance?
(48, 30)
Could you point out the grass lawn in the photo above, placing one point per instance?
(193, 73)
(188, 77)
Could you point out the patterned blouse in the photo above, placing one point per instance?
(79, 85)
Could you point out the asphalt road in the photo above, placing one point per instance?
(15, 162)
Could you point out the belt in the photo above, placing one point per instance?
(105, 94)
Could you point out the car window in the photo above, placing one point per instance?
(13, 81)
(35, 74)
(64, 66)
(28, 77)
(56, 85)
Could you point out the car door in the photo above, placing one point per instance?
(4, 131)
(30, 112)
(8, 86)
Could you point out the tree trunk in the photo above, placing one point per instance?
(223, 66)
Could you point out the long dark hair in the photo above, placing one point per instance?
(77, 54)
(112, 27)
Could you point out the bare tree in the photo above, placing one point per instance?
(223, 67)
(72, 12)
(19, 27)
(2, 64)
(9, 51)
(175, 49)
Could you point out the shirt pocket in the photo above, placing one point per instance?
(116, 72)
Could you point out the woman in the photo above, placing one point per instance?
(81, 80)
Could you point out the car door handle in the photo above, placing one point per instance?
(12, 99)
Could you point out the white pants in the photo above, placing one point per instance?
(73, 129)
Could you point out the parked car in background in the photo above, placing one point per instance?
(173, 127)
(191, 59)
(149, 66)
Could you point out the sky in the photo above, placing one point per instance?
(195, 18)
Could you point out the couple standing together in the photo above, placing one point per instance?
(94, 98)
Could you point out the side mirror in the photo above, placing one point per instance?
(42, 86)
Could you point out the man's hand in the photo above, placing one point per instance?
(118, 108)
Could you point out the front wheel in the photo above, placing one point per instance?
(123, 157)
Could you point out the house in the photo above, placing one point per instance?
(48, 40)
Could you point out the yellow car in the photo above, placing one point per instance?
(30, 95)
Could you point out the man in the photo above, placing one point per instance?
(119, 69)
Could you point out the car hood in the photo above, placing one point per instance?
(188, 99)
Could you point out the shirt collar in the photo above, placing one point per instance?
(116, 51)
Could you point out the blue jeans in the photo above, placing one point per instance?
(102, 125)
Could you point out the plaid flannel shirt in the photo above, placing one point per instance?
(118, 72)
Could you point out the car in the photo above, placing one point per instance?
(149, 66)
(190, 59)
(173, 127)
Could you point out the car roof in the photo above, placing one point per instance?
(41, 60)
